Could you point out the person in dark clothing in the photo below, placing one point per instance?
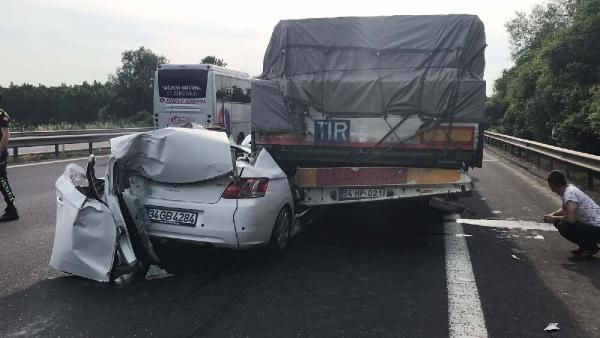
(10, 213)
(578, 220)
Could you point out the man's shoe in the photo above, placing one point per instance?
(577, 251)
(587, 253)
(10, 214)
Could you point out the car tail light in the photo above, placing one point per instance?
(247, 188)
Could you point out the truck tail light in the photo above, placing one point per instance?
(247, 188)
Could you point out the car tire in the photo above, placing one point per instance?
(282, 231)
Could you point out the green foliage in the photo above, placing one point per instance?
(124, 101)
(132, 85)
(552, 93)
(213, 60)
(129, 123)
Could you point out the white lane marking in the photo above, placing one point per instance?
(52, 162)
(465, 315)
(508, 224)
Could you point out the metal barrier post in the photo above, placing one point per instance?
(15, 153)
(590, 179)
(90, 147)
(56, 150)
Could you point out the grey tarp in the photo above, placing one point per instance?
(430, 65)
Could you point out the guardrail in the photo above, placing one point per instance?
(570, 158)
(56, 138)
(18, 134)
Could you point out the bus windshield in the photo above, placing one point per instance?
(182, 83)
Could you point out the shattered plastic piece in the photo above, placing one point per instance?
(155, 272)
(552, 327)
(463, 235)
(515, 257)
(538, 237)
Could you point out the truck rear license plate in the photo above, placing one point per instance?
(347, 194)
(172, 216)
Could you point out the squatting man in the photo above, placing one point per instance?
(578, 220)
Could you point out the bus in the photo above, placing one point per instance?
(204, 94)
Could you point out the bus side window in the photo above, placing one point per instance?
(248, 91)
(241, 91)
(236, 91)
(226, 89)
(218, 87)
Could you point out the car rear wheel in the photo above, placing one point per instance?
(282, 231)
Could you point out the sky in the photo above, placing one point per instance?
(71, 41)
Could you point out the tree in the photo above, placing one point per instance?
(552, 93)
(213, 60)
(133, 83)
(529, 32)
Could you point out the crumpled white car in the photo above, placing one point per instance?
(174, 183)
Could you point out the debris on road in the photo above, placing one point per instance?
(463, 235)
(537, 236)
(155, 272)
(552, 327)
(517, 258)
(449, 206)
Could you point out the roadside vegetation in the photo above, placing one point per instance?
(125, 100)
(552, 93)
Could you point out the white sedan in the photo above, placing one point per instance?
(174, 183)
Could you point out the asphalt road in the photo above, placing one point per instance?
(367, 271)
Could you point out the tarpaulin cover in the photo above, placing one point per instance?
(430, 65)
(175, 155)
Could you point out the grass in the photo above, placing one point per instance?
(16, 126)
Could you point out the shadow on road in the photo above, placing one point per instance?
(588, 268)
(479, 204)
(375, 270)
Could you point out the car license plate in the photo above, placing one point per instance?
(361, 193)
(172, 216)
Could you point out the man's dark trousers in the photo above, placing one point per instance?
(585, 235)
(7, 193)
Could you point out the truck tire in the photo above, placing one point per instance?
(282, 231)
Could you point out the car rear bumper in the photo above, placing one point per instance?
(249, 227)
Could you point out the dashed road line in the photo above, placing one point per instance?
(465, 314)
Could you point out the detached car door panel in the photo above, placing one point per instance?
(85, 237)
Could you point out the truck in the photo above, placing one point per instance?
(371, 109)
